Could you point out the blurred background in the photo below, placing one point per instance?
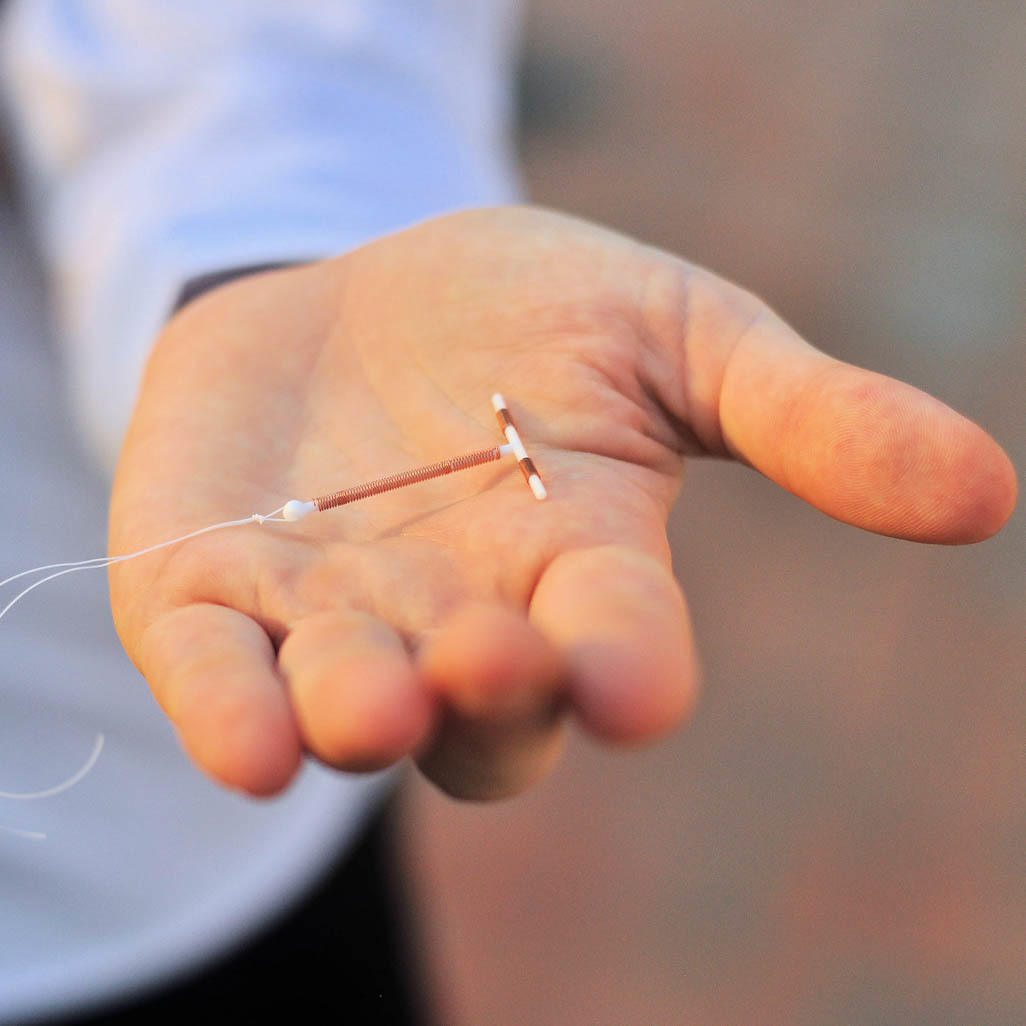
(840, 835)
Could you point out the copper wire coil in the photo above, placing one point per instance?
(407, 477)
(527, 467)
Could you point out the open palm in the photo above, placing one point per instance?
(461, 619)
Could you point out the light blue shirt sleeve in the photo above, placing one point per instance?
(158, 141)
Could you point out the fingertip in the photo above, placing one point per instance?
(487, 661)
(989, 489)
(500, 684)
(621, 619)
(359, 704)
(255, 751)
(212, 670)
(629, 697)
(909, 466)
(364, 715)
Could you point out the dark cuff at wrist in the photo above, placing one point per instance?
(195, 287)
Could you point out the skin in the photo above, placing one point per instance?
(461, 621)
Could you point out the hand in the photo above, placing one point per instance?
(460, 620)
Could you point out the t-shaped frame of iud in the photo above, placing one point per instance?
(295, 509)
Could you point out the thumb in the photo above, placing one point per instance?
(861, 447)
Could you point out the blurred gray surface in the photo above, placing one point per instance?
(840, 836)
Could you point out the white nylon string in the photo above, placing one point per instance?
(29, 835)
(97, 563)
(65, 785)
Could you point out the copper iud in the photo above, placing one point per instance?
(296, 510)
(407, 477)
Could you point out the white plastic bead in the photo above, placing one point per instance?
(295, 510)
